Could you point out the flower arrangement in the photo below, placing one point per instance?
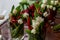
(17, 20)
(38, 15)
(43, 18)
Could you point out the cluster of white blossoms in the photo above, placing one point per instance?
(25, 15)
(45, 14)
(20, 21)
(51, 7)
(36, 23)
(54, 2)
(43, 5)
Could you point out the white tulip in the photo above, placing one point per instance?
(33, 31)
(25, 15)
(51, 7)
(20, 21)
(43, 6)
(48, 6)
(52, 2)
(54, 8)
(56, 2)
(45, 14)
(14, 11)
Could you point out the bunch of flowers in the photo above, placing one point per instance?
(38, 15)
(17, 16)
(44, 16)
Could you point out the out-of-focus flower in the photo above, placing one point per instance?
(48, 6)
(33, 31)
(20, 21)
(39, 19)
(43, 6)
(54, 8)
(44, 1)
(52, 2)
(25, 15)
(14, 11)
(56, 2)
(35, 24)
(45, 14)
(51, 7)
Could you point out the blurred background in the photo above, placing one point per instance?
(7, 4)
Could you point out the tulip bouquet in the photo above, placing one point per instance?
(43, 17)
(17, 16)
(38, 15)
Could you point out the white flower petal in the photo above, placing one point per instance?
(20, 21)
(54, 8)
(43, 6)
(33, 31)
(39, 19)
(45, 14)
(52, 2)
(25, 15)
(51, 6)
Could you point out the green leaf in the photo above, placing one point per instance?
(17, 31)
(12, 8)
(36, 14)
(30, 20)
(42, 24)
(57, 27)
(36, 5)
(28, 31)
(49, 2)
(18, 8)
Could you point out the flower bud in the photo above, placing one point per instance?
(43, 6)
(45, 14)
(14, 11)
(20, 21)
(25, 15)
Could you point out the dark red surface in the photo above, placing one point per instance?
(53, 35)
